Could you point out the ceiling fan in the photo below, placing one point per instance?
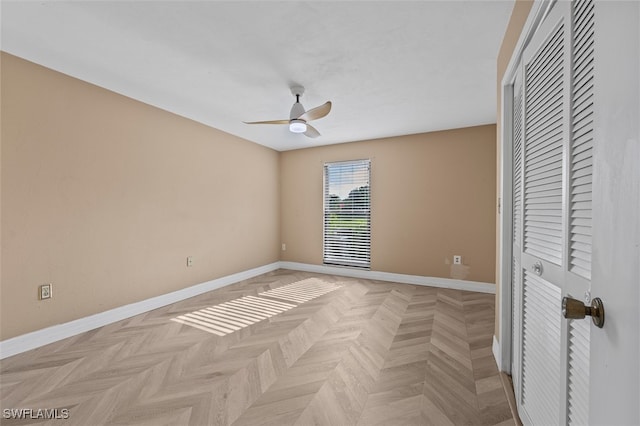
(298, 117)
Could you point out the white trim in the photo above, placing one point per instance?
(539, 9)
(58, 332)
(505, 231)
(397, 278)
(497, 351)
(54, 333)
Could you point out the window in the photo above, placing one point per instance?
(347, 214)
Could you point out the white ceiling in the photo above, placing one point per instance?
(390, 68)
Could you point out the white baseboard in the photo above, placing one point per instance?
(58, 332)
(497, 352)
(396, 278)
(54, 333)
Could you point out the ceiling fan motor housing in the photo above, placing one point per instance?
(296, 110)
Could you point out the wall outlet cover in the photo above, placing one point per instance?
(45, 291)
(457, 260)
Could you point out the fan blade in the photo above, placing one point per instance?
(267, 122)
(317, 112)
(311, 132)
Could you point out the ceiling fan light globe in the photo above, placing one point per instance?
(297, 126)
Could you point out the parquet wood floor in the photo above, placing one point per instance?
(358, 352)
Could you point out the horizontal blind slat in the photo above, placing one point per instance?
(347, 213)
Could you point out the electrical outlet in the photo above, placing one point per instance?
(45, 291)
(457, 260)
(190, 261)
(284, 247)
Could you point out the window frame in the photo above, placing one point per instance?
(362, 257)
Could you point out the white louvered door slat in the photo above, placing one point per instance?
(543, 150)
(541, 350)
(580, 204)
(516, 312)
(581, 138)
(516, 274)
(517, 161)
(552, 179)
(578, 380)
(544, 130)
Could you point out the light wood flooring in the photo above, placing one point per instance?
(350, 352)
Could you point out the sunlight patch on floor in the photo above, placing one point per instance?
(234, 315)
(302, 291)
(239, 313)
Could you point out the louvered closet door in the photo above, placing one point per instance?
(516, 269)
(552, 216)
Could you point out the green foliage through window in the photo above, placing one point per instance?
(347, 213)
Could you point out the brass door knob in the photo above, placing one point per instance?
(575, 309)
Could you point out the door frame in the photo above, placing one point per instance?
(502, 346)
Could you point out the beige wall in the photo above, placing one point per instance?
(432, 197)
(518, 18)
(105, 197)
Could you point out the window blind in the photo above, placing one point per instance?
(347, 214)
